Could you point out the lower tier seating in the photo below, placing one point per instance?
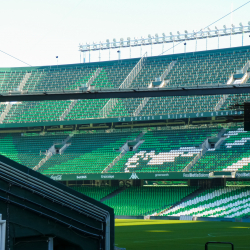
(232, 155)
(94, 192)
(135, 201)
(228, 202)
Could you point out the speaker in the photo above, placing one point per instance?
(247, 116)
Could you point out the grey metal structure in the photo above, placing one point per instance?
(126, 93)
(151, 40)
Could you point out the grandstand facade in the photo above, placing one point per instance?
(96, 145)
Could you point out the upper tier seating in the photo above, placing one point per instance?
(10, 80)
(136, 201)
(190, 69)
(228, 202)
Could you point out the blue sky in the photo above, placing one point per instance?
(38, 31)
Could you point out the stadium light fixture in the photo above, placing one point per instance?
(128, 41)
(156, 38)
(163, 38)
(225, 29)
(121, 42)
(107, 43)
(178, 32)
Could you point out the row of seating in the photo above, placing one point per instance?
(136, 201)
(189, 69)
(228, 202)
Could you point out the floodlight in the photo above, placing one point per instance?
(178, 32)
(128, 38)
(225, 29)
(233, 25)
(149, 38)
(216, 28)
(136, 40)
(186, 31)
(240, 24)
(107, 43)
(249, 23)
(114, 42)
(208, 28)
(156, 37)
(142, 40)
(163, 34)
(171, 33)
(121, 42)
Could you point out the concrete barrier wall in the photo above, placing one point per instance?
(178, 218)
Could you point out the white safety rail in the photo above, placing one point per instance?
(230, 81)
(2, 233)
(125, 84)
(146, 99)
(91, 80)
(73, 102)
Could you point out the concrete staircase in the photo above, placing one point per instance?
(73, 102)
(189, 197)
(52, 151)
(111, 195)
(232, 81)
(124, 149)
(23, 82)
(125, 84)
(162, 77)
(114, 161)
(205, 146)
(9, 105)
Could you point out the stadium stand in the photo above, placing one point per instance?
(159, 150)
(209, 67)
(164, 150)
(135, 201)
(129, 149)
(231, 155)
(228, 202)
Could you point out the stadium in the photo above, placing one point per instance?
(163, 167)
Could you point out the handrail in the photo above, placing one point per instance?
(125, 84)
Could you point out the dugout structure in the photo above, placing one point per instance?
(41, 213)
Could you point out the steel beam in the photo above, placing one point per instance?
(126, 93)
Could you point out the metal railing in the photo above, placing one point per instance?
(166, 72)
(125, 84)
